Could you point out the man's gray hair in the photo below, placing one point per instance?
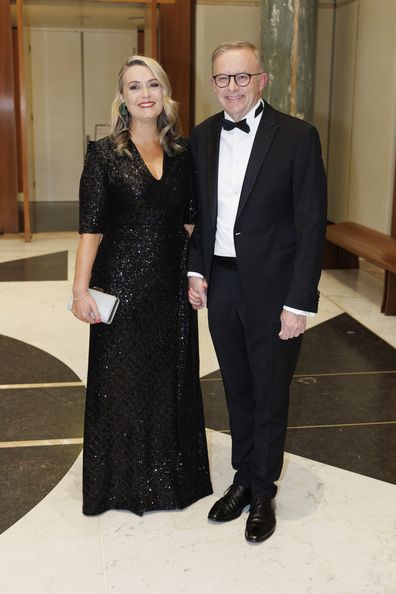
(236, 45)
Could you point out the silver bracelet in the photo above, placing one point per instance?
(79, 298)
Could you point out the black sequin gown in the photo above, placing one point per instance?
(144, 442)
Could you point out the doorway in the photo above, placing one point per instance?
(60, 45)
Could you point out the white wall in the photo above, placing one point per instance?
(323, 73)
(104, 53)
(355, 100)
(73, 76)
(56, 78)
(373, 139)
(341, 117)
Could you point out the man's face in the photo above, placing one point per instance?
(238, 101)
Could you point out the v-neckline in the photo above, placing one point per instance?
(157, 179)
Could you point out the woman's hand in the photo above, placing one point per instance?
(197, 292)
(85, 309)
(84, 306)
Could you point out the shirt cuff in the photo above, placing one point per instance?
(197, 274)
(299, 312)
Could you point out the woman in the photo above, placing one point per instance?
(144, 444)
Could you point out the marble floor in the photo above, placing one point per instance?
(336, 506)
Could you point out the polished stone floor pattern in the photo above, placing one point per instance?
(336, 519)
(342, 400)
(37, 268)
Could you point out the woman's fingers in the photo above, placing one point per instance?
(86, 310)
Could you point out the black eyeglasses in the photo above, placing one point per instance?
(242, 79)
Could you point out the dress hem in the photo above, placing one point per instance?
(116, 507)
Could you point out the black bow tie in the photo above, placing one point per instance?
(242, 125)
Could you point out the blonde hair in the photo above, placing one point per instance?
(236, 45)
(168, 120)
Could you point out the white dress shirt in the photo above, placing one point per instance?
(235, 148)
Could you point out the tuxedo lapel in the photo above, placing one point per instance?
(212, 162)
(262, 142)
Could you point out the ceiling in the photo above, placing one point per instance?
(77, 14)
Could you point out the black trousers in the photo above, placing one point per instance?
(257, 368)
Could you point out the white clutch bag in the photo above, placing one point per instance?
(107, 305)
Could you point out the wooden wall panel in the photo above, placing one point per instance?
(8, 150)
(140, 47)
(17, 97)
(393, 226)
(176, 54)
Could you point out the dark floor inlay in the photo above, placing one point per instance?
(38, 268)
(339, 346)
(45, 413)
(367, 450)
(22, 363)
(343, 345)
(28, 475)
(343, 399)
(31, 414)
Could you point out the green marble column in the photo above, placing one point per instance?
(288, 44)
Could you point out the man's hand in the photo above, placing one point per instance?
(197, 292)
(292, 325)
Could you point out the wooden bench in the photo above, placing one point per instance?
(347, 241)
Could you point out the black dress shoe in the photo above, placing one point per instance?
(230, 506)
(261, 522)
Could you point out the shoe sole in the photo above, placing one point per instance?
(258, 540)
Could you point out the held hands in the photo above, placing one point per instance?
(85, 308)
(197, 292)
(292, 325)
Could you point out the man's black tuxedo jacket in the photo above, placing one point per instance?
(281, 220)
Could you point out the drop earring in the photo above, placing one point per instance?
(123, 110)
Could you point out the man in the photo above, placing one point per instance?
(255, 261)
